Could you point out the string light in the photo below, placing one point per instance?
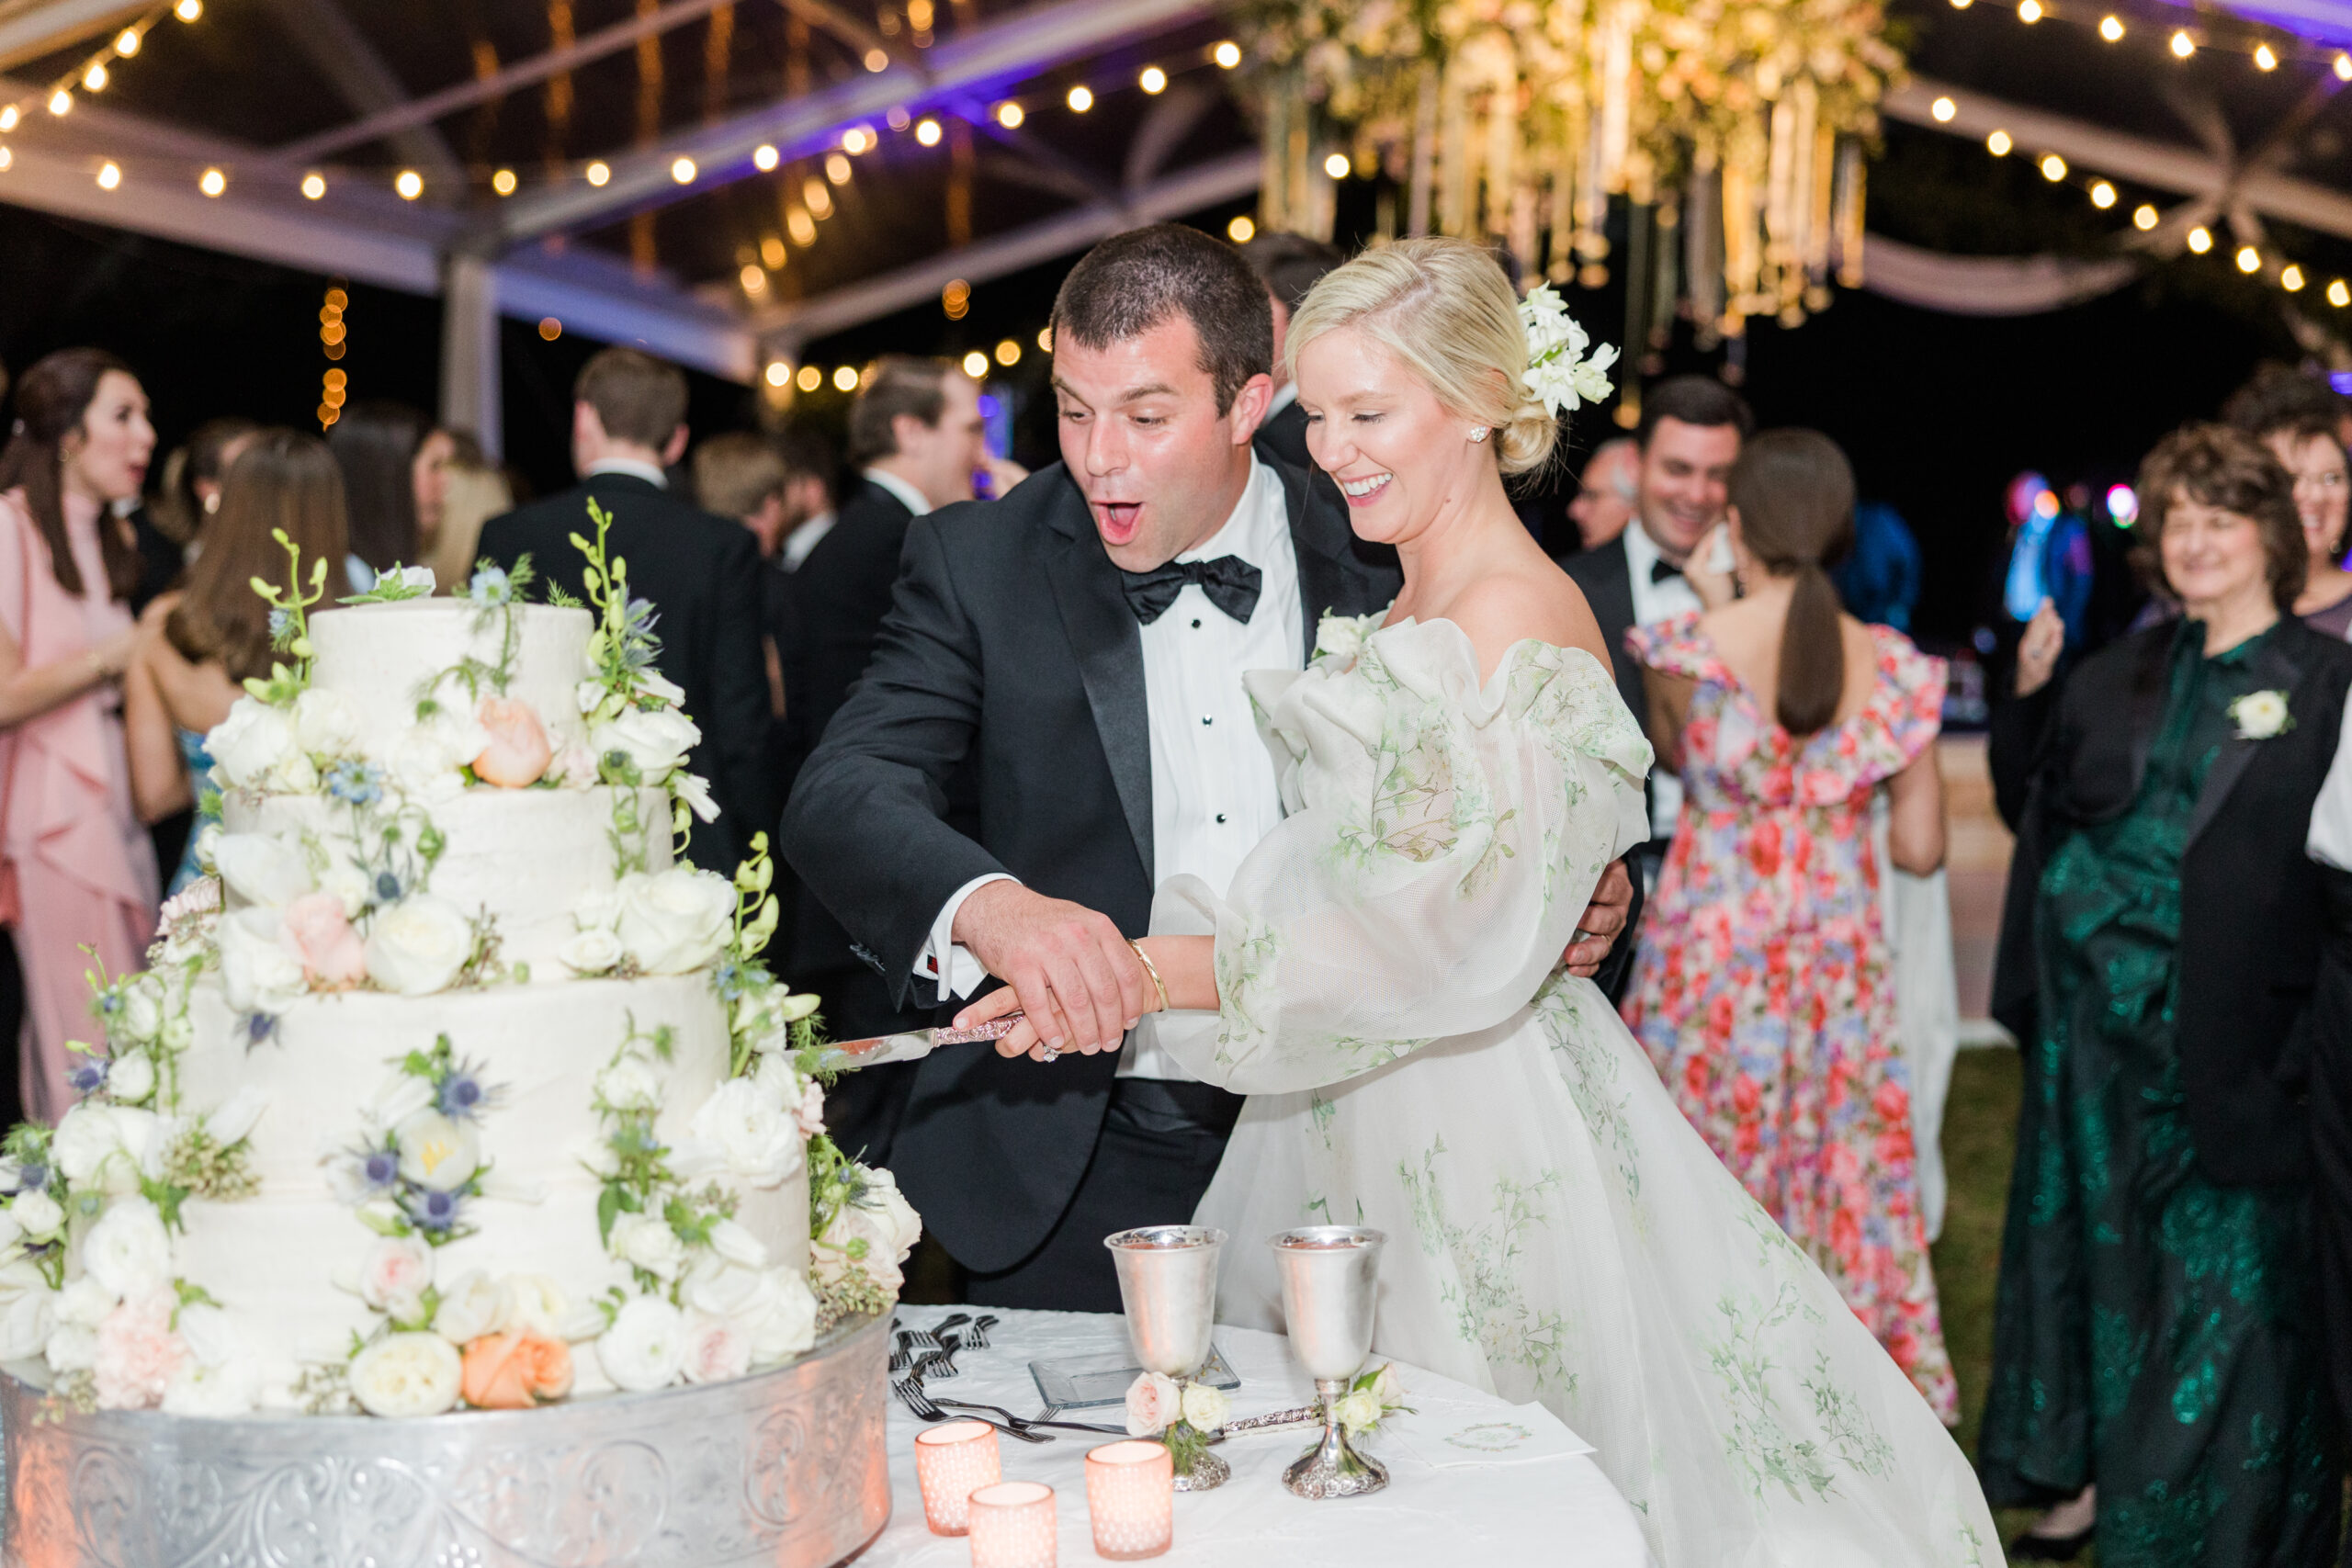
(1241, 230)
(2183, 46)
(213, 182)
(1153, 79)
(2344, 67)
(2053, 167)
(1008, 354)
(809, 379)
(837, 169)
(754, 281)
(772, 254)
(2030, 12)
(60, 102)
(2200, 238)
(845, 379)
(1999, 145)
(1335, 165)
(2291, 278)
(1009, 115)
(409, 184)
(126, 42)
(8, 118)
(682, 170)
(188, 10)
(802, 227)
(2102, 195)
(928, 133)
(1046, 339)
(764, 158)
(818, 201)
(313, 186)
(976, 365)
(1961, 5)
(877, 60)
(1081, 98)
(857, 140)
(2265, 59)
(2249, 259)
(2338, 294)
(598, 173)
(109, 175)
(955, 299)
(2143, 218)
(2112, 28)
(898, 116)
(7, 159)
(779, 373)
(549, 329)
(503, 182)
(96, 78)
(1227, 54)
(1943, 109)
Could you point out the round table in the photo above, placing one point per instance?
(1473, 1479)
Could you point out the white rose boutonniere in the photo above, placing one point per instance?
(1342, 637)
(407, 1374)
(2261, 715)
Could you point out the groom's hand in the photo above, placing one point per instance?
(1603, 923)
(1077, 978)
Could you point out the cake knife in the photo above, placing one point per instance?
(911, 1046)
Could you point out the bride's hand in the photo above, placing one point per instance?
(1022, 1042)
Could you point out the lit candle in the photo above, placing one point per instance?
(952, 1462)
(1130, 1496)
(1012, 1525)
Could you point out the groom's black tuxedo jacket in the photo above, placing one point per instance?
(1009, 658)
(2254, 910)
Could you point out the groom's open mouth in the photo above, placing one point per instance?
(1364, 489)
(1118, 521)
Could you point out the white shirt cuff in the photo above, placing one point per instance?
(963, 972)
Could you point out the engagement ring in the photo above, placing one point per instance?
(1049, 1053)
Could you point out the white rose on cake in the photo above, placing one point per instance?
(131, 1077)
(438, 1152)
(84, 1303)
(255, 748)
(98, 1145)
(880, 1218)
(628, 1084)
(142, 1009)
(651, 682)
(645, 1346)
(354, 886)
(260, 870)
(474, 1306)
(395, 1275)
(591, 952)
(218, 1378)
(657, 742)
(533, 1303)
(773, 1307)
(717, 1349)
(407, 1375)
(27, 1311)
(417, 946)
(647, 1242)
(423, 760)
(258, 972)
(325, 724)
(674, 921)
(38, 1214)
(743, 1132)
(738, 1245)
(127, 1252)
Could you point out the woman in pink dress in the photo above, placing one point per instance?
(1763, 988)
(82, 867)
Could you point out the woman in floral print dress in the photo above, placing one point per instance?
(1382, 978)
(1763, 990)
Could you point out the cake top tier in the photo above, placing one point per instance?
(385, 659)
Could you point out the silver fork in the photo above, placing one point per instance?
(1025, 1421)
(925, 1408)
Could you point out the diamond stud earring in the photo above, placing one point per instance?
(1479, 433)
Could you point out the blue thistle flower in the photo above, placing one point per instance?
(110, 1003)
(380, 1169)
(259, 1027)
(729, 979)
(281, 623)
(387, 889)
(358, 783)
(32, 1179)
(88, 1077)
(434, 1211)
(461, 1095)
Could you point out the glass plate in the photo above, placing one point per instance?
(1082, 1382)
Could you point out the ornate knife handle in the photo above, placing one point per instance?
(1298, 1416)
(994, 1028)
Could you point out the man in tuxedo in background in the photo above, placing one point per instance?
(918, 439)
(1690, 436)
(700, 572)
(1083, 642)
(1288, 264)
(1606, 491)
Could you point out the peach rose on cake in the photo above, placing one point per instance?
(515, 1371)
(332, 956)
(518, 751)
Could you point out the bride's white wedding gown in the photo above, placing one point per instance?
(1558, 1232)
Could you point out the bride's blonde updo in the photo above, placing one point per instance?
(1444, 308)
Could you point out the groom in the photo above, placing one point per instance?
(1069, 660)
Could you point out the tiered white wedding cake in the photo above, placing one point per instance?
(453, 1085)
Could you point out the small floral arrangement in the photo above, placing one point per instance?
(394, 583)
(861, 1230)
(2261, 715)
(288, 624)
(1559, 370)
(419, 1159)
(1342, 637)
(1372, 1398)
(1184, 1416)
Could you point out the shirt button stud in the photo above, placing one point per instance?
(1207, 720)
(1197, 625)
(1220, 815)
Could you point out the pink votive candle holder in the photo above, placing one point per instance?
(1012, 1525)
(952, 1461)
(1131, 1498)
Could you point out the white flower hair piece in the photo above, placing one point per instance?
(1559, 370)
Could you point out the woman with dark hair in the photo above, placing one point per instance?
(77, 873)
(376, 444)
(214, 632)
(192, 475)
(1762, 990)
(2158, 1372)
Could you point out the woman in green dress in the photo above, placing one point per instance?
(2157, 1371)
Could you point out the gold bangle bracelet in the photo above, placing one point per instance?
(1153, 970)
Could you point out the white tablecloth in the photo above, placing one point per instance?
(1447, 1504)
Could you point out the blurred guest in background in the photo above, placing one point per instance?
(1879, 579)
(458, 488)
(191, 489)
(1606, 491)
(376, 443)
(213, 633)
(2299, 418)
(1288, 264)
(700, 572)
(77, 871)
(741, 476)
(811, 469)
(1762, 990)
(2158, 1374)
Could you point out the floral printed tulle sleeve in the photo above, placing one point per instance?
(1442, 839)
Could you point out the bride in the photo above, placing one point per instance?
(1384, 968)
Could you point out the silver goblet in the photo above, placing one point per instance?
(1331, 1285)
(1168, 1284)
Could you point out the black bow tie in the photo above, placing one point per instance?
(1231, 582)
(1662, 569)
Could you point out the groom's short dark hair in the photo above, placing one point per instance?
(1133, 282)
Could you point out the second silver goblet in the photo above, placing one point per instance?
(1330, 1286)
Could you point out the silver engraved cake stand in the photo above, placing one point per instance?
(786, 1469)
